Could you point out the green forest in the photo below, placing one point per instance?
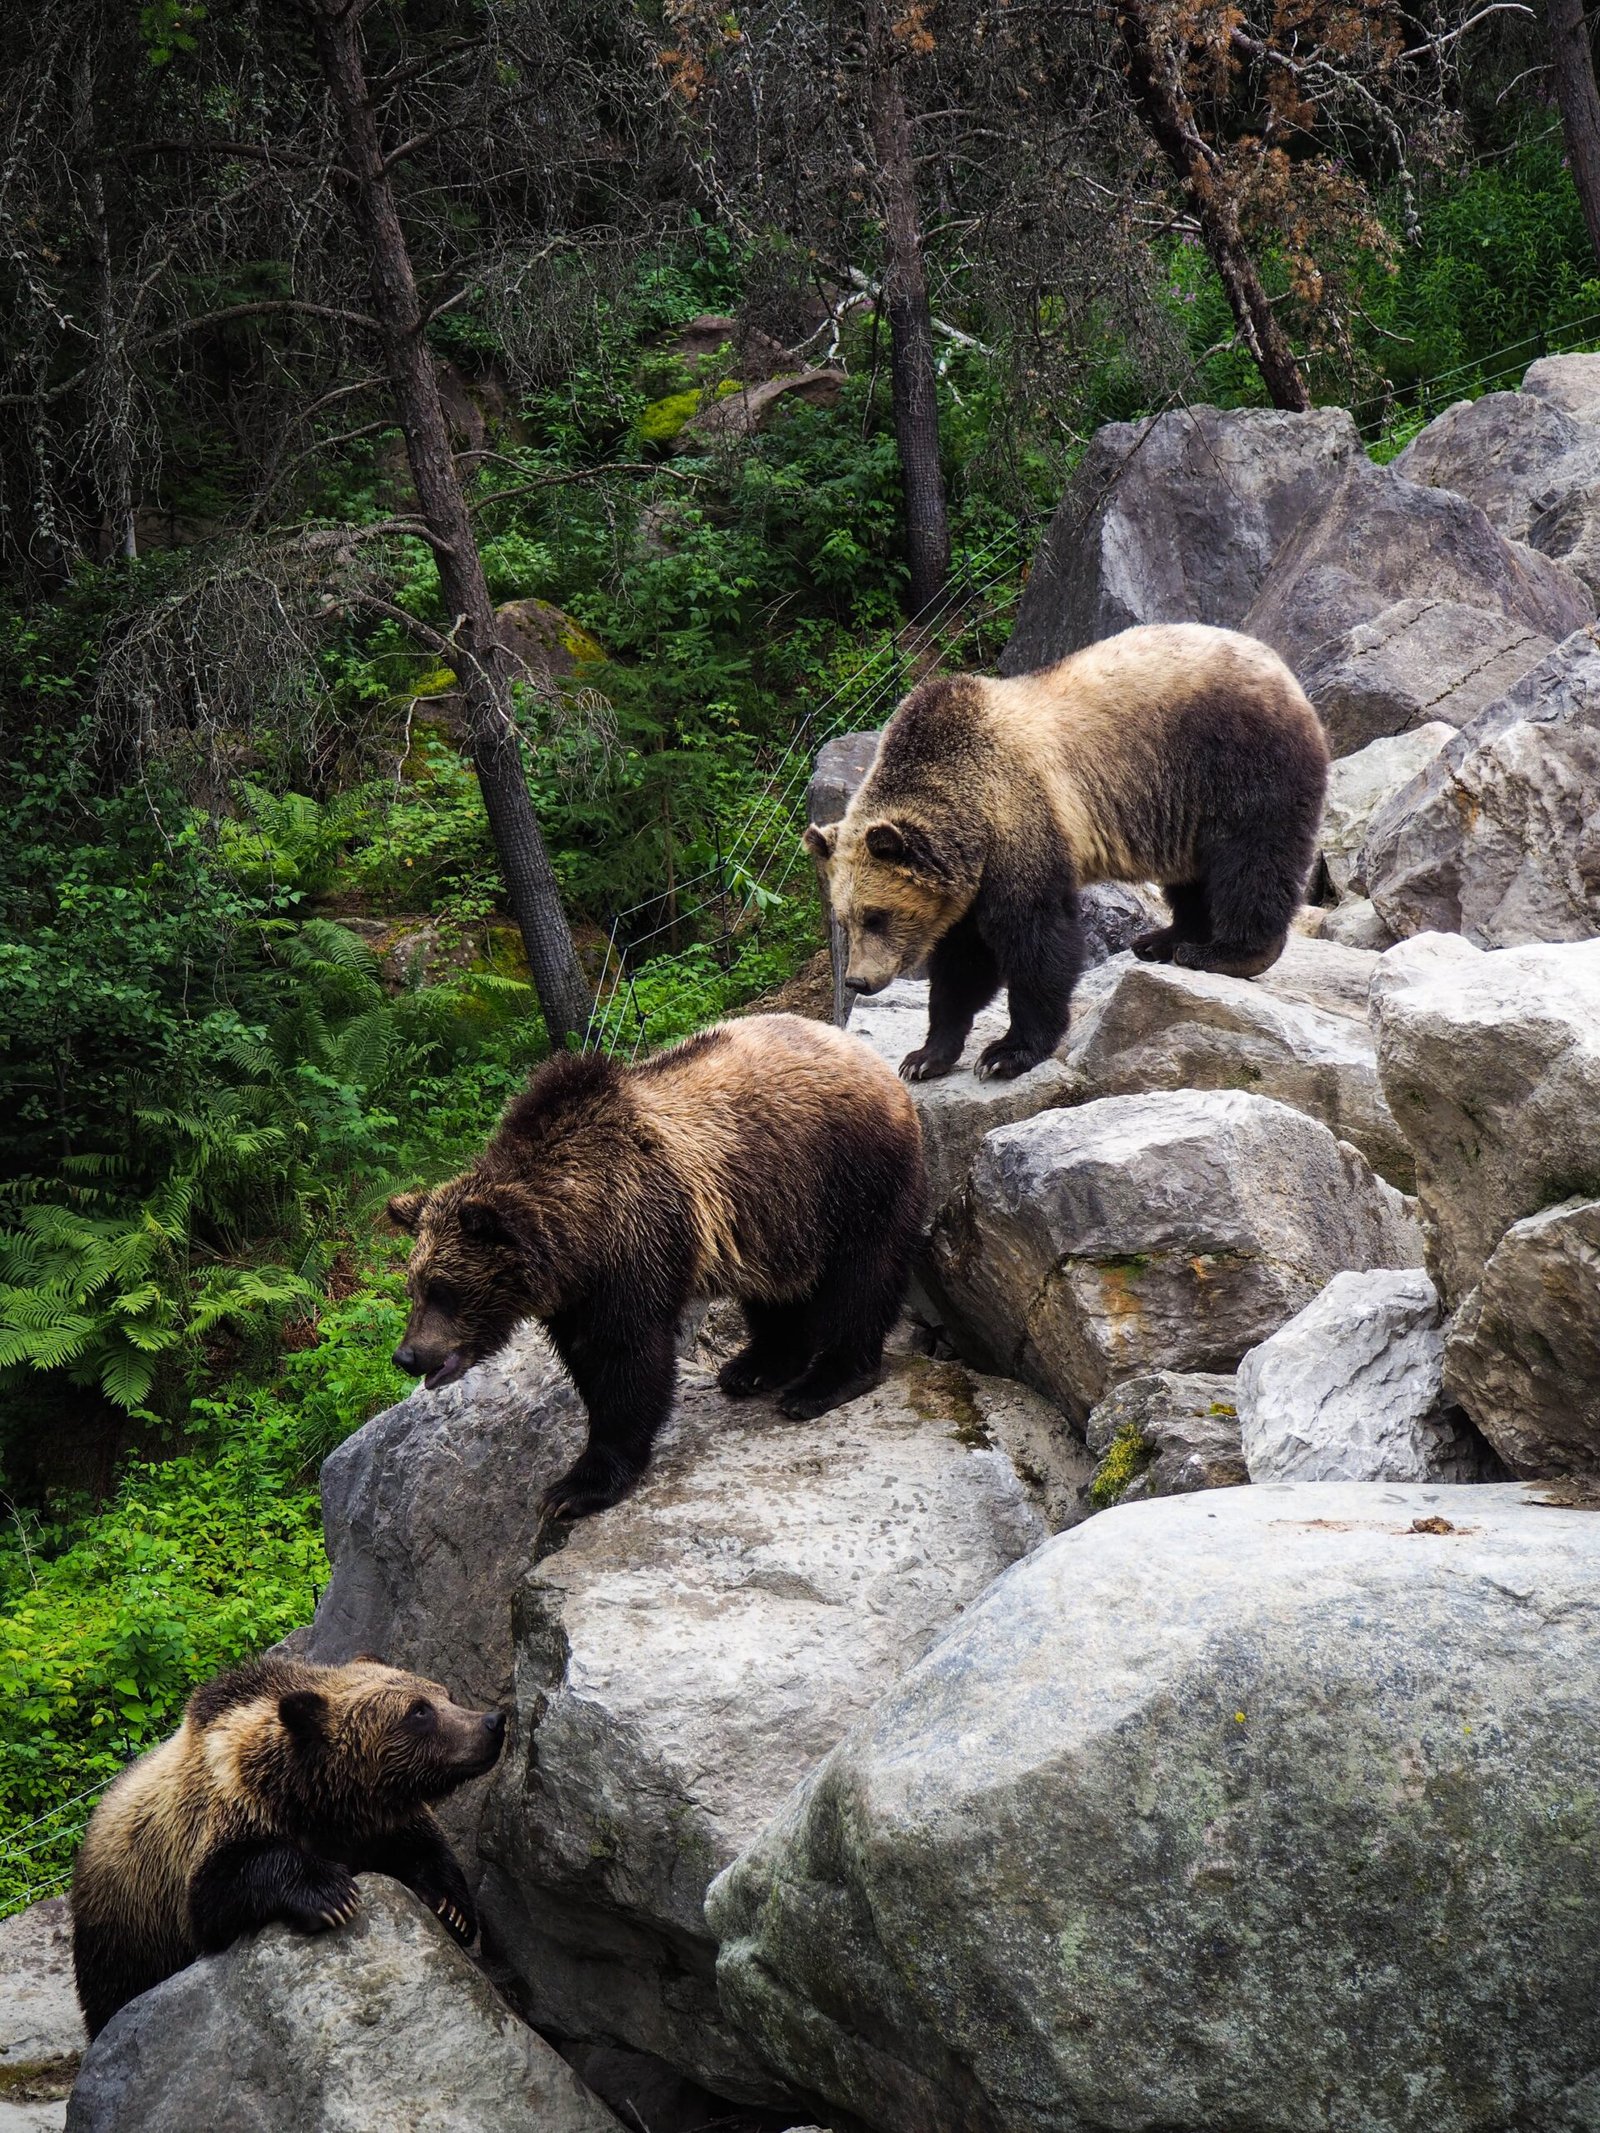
(259, 966)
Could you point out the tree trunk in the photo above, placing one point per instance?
(1155, 73)
(1572, 67)
(481, 663)
(905, 297)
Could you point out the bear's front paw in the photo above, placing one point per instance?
(592, 1483)
(926, 1064)
(748, 1373)
(1156, 947)
(1005, 1059)
(458, 1916)
(326, 1897)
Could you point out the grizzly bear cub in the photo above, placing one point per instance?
(284, 1782)
(1178, 754)
(772, 1160)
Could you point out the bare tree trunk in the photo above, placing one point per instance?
(1572, 68)
(1155, 72)
(905, 296)
(485, 678)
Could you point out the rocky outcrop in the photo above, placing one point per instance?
(1175, 519)
(1381, 539)
(729, 418)
(1163, 1435)
(1351, 1389)
(42, 2036)
(683, 1660)
(1165, 1028)
(1157, 1232)
(1253, 1809)
(381, 2025)
(1359, 785)
(1567, 381)
(1491, 1065)
(1499, 838)
(1498, 451)
(1524, 1350)
(1417, 663)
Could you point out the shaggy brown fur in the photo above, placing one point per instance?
(1178, 754)
(772, 1160)
(284, 1781)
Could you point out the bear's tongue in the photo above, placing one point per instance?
(445, 1373)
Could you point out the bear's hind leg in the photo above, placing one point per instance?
(778, 1350)
(856, 1304)
(1191, 921)
(1251, 898)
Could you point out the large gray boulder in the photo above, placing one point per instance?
(1499, 837)
(1359, 785)
(1263, 1809)
(957, 1110)
(1491, 1065)
(1380, 538)
(1567, 381)
(1498, 451)
(1416, 663)
(1165, 1028)
(1170, 1231)
(385, 2024)
(1351, 1389)
(683, 1660)
(1163, 1435)
(1524, 1351)
(42, 2036)
(1175, 519)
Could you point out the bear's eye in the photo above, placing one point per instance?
(441, 1297)
(874, 921)
(420, 1713)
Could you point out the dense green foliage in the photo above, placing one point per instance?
(247, 991)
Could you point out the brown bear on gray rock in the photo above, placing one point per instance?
(1178, 754)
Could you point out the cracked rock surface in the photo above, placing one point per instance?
(1258, 1808)
(1170, 1231)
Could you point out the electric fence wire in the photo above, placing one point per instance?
(793, 769)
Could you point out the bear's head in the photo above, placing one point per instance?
(479, 1267)
(895, 886)
(365, 1742)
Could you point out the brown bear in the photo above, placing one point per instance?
(1179, 754)
(772, 1160)
(284, 1782)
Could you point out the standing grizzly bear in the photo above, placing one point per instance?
(284, 1781)
(1178, 754)
(772, 1160)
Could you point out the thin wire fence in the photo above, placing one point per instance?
(47, 1833)
(745, 877)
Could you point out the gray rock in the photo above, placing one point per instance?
(1157, 1232)
(1491, 1065)
(1351, 1389)
(683, 1660)
(1175, 519)
(1256, 1809)
(1163, 1435)
(841, 765)
(731, 418)
(383, 2025)
(1165, 1028)
(1355, 924)
(1380, 539)
(1495, 451)
(41, 2028)
(1499, 838)
(957, 1110)
(1321, 973)
(1362, 783)
(1566, 381)
(1416, 662)
(1523, 1355)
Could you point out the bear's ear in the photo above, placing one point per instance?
(405, 1210)
(484, 1219)
(820, 842)
(908, 845)
(303, 1712)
